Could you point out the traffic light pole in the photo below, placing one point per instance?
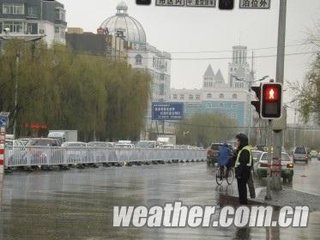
(269, 142)
(277, 139)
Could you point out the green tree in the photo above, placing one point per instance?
(308, 93)
(203, 129)
(100, 98)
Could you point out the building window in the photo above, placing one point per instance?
(175, 96)
(138, 59)
(181, 96)
(56, 29)
(17, 9)
(32, 12)
(60, 14)
(32, 28)
(161, 89)
(198, 96)
(234, 96)
(16, 27)
(221, 95)
(209, 95)
(190, 97)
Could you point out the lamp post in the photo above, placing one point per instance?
(26, 38)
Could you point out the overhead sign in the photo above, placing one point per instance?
(254, 4)
(4, 119)
(167, 111)
(186, 3)
(174, 3)
(201, 3)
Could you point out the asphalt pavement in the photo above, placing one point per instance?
(78, 204)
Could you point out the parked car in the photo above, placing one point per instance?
(14, 151)
(97, 151)
(124, 145)
(300, 153)
(74, 151)
(313, 154)
(256, 155)
(167, 146)
(287, 166)
(39, 151)
(146, 144)
(98, 144)
(213, 153)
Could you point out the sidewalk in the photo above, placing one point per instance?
(286, 196)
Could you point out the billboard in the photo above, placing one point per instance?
(167, 111)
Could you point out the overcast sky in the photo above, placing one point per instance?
(213, 31)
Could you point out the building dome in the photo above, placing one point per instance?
(123, 24)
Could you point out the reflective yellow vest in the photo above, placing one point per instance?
(248, 147)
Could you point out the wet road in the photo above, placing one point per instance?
(77, 204)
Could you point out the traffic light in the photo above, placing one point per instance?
(271, 100)
(257, 103)
(143, 2)
(226, 4)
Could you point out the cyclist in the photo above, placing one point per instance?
(224, 158)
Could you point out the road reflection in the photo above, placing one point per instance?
(78, 204)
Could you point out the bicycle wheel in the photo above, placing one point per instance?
(219, 176)
(230, 176)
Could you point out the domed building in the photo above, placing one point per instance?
(126, 27)
(126, 40)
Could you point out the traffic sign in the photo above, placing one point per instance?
(201, 3)
(254, 4)
(168, 3)
(3, 121)
(186, 3)
(167, 111)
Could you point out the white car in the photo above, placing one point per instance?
(74, 151)
(261, 166)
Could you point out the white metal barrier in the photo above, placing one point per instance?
(49, 156)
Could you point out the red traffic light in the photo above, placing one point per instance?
(271, 104)
(272, 92)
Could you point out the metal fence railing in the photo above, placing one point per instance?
(49, 156)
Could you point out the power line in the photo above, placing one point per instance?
(230, 50)
(224, 58)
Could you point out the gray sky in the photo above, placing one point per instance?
(180, 29)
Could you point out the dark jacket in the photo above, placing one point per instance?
(243, 171)
(224, 155)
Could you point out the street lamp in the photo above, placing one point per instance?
(26, 38)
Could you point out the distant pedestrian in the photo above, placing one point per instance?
(243, 166)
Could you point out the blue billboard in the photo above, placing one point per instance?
(167, 111)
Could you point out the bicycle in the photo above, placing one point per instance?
(224, 173)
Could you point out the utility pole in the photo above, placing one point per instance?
(277, 139)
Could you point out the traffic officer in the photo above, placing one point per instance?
(243, 166)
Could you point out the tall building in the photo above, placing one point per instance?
(215, 96)
(31, 17)
(86, 42)
(239, 71)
